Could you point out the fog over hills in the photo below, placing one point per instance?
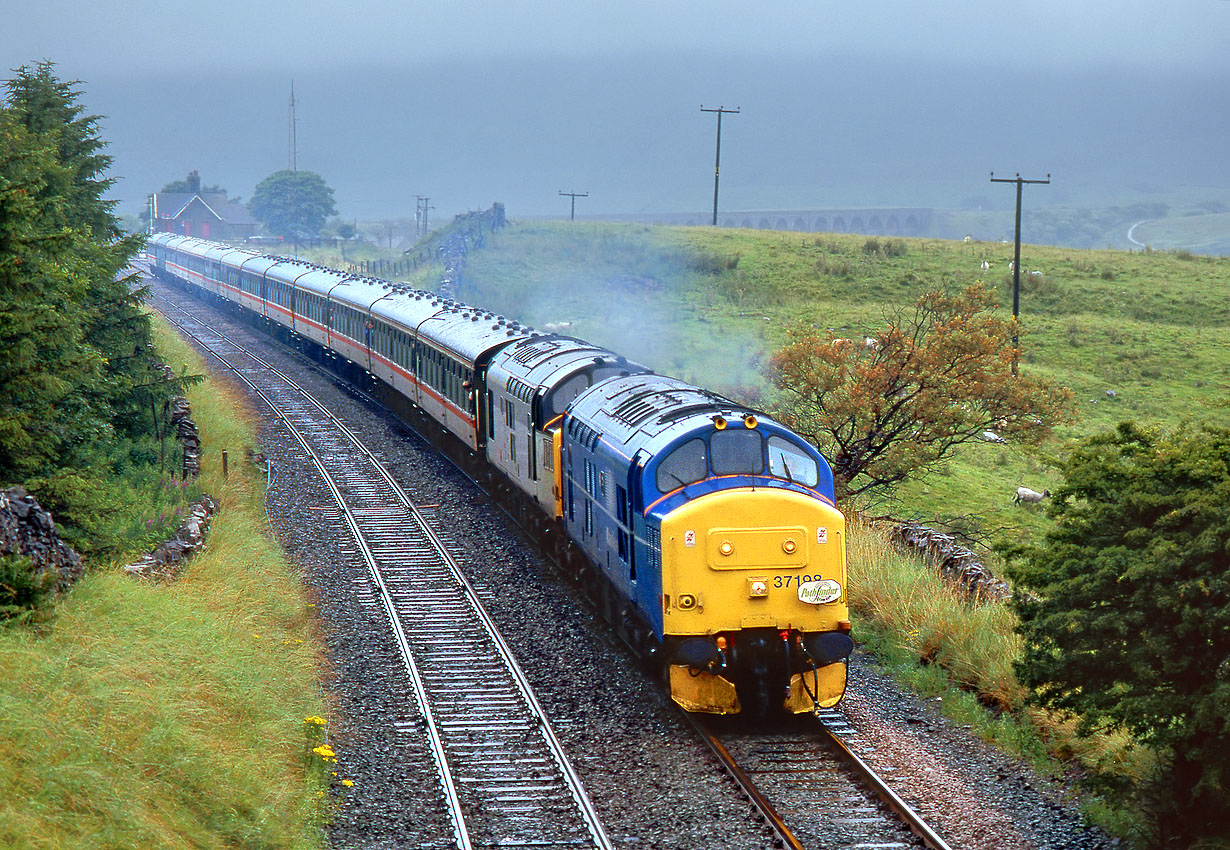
(835, 130)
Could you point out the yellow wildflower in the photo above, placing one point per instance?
(325, 752)
(348, 783)
(314, 720)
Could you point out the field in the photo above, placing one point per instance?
(1136, 335)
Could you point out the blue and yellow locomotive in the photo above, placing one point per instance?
(705, 531)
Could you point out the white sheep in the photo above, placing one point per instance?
(992, 437)
(985, 265)
(1024, 494)
(870, 343)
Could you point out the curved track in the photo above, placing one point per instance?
(811, 787)
(503, 776)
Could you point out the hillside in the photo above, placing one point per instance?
(709, 305)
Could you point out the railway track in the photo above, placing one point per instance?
(503, 777)
(812, 788)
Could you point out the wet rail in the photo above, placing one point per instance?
(811, 787)
(504, 777)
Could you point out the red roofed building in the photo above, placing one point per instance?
(208, 215)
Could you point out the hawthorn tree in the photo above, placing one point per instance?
(1127, 622)
(292, 203)
(884, 409)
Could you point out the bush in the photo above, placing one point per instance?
(22, 588)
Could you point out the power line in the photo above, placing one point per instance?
(572, 216)
(717, 160)
(1016, 260)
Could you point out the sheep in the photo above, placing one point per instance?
(841, 343)
(557, 327)
(1024, 494)
(985, 265)
(992, 437)
(870, 343)
(1111, 394)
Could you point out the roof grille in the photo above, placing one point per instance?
(526, 354)
(639, 407)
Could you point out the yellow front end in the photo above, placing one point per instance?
(743, 559)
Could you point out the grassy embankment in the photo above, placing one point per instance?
(170, 715)
(710, 305)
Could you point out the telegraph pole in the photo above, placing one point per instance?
(421, 206)
(1016, 259)
(292, 155)
(572, 216)
(717, 160)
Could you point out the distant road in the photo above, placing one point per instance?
(1132, 230)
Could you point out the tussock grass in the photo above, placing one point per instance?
(933, 621)
(169, 715)
(940, 643)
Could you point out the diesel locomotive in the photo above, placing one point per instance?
(705, 532)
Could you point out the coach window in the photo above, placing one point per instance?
(736, 451)
(789, 461)
(685, 465)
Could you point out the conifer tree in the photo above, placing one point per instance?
(1126, 613)
(113, 331)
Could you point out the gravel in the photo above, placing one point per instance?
(652, 783)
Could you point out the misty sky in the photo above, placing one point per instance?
(475, 101)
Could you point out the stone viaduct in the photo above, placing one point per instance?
(886, 221)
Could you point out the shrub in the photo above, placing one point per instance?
(22, 588)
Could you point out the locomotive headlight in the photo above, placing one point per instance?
(788, 546)
(687, 602)
(727, 548)
(757, 587)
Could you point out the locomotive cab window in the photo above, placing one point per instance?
(687, 464)
(736, 451)
(786, 460)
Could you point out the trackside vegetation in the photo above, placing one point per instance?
(83, 412)
(141, 714)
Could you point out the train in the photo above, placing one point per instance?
(705, 532)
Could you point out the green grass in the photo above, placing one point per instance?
(169, 715)
(709, 305)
